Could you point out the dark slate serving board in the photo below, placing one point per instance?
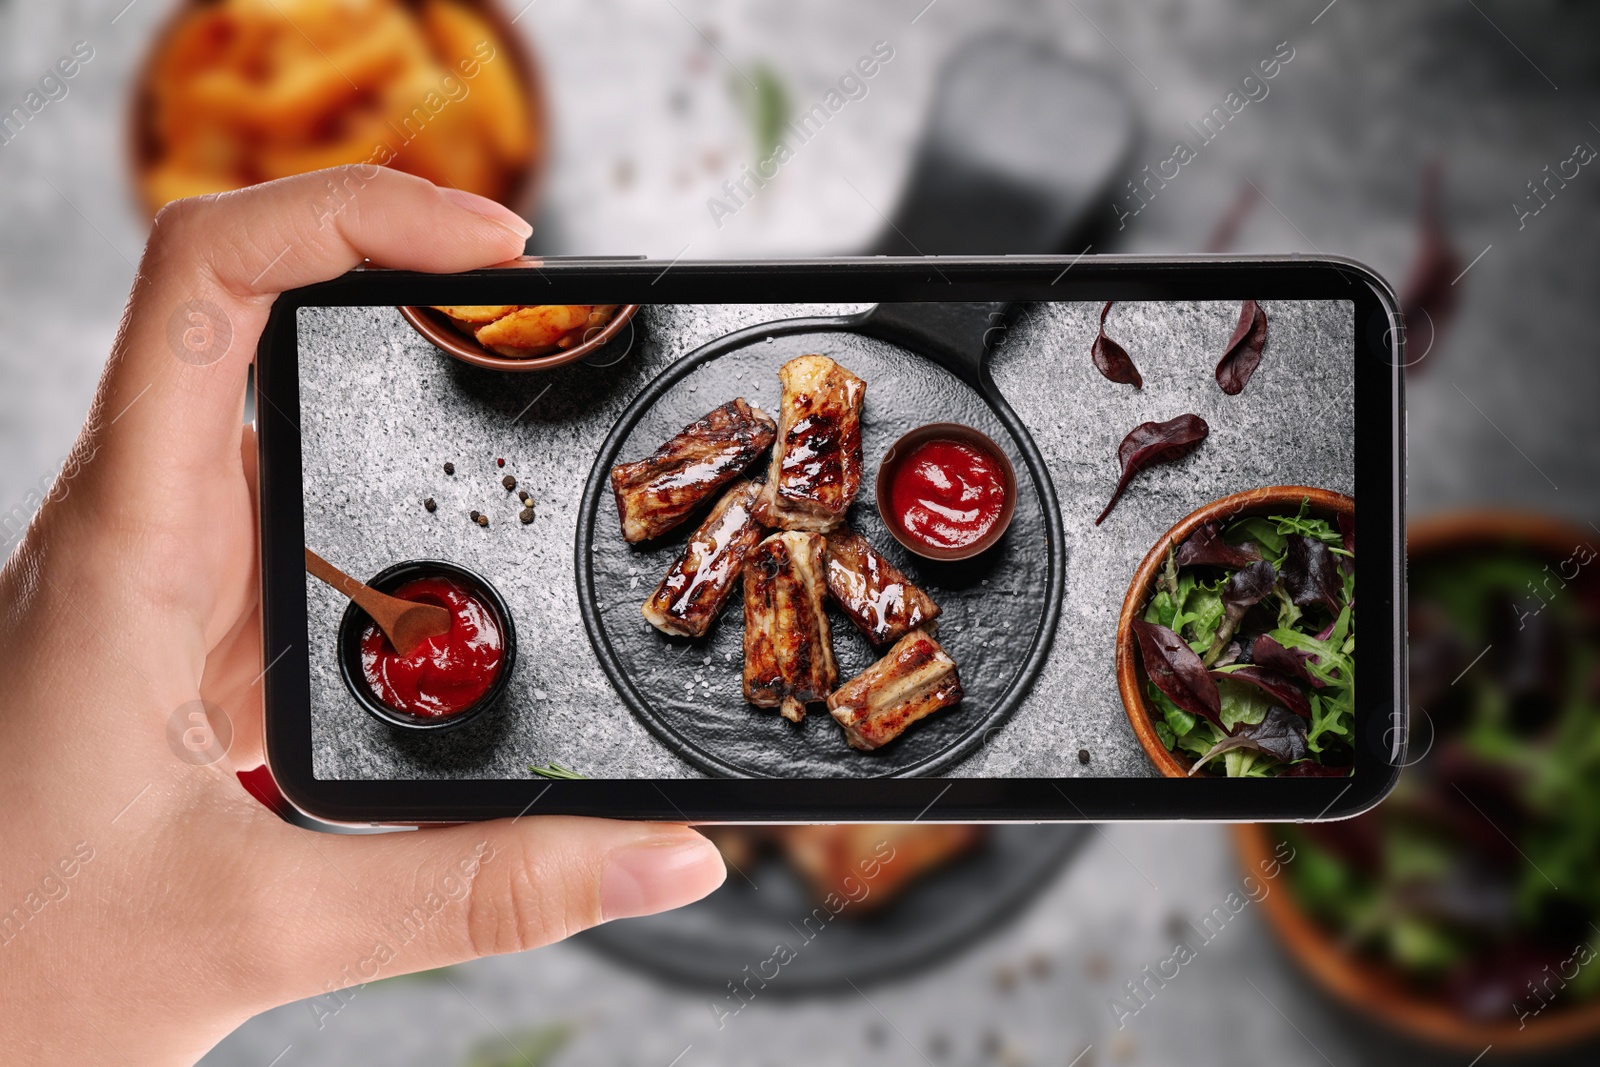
(688, 691)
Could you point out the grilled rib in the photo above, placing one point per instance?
(912, 681)
(881, 601)
(871, 865)
(788, 650)
(816, 463)
(660, 491)
(697, 584)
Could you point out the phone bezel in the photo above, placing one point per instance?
(1380, 453)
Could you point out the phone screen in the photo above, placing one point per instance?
(1048, 539)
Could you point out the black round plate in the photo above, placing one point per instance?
(689, 691)
(710, 941)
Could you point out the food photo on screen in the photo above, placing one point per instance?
(771, 541)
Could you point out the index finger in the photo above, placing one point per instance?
(174, 387)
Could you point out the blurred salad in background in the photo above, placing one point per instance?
(1477, 881)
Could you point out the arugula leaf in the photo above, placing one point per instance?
(1245, 589)
(1301, 523)
(1331, 714)
(1177, 721)
(1275, 686)
(1165, 735)
(1328, 664)
(557, 772)
(1281, 735)
(1245, 763)
(1203, 613)
(1242, 704)
(1263, 532)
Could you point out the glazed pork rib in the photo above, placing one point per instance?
(696, 586)
(660, 491)
(816, 463)
(788, 649)
(912, 681)
(881, 601)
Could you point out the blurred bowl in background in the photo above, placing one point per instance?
(236, 92)
(1438, 913)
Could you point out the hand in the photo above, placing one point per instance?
(148, 906)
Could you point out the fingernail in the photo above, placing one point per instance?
(658, 875)
(489, 209)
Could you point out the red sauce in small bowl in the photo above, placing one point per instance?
(444, 675)
(947, 494)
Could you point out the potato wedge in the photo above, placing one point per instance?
(479, 313)
(541, 326)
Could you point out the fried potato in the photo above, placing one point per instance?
(319, 23)
(476, 312)
(540, 326)
(363, 134)
(496, 101)
(441, 144)
(241, 91)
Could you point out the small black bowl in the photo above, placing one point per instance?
(355, 620)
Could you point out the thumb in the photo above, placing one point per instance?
(397, 903)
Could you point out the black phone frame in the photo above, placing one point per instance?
(1381, 719)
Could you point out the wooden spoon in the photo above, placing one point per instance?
(404, 622)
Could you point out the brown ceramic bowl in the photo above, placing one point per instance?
(518, 185)
(1270, 500)
(437, 328)
(951, 431)
(1373, 989)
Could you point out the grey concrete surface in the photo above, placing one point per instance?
(382, 411)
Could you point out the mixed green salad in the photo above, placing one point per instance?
(1478, 880)
(1248, 647)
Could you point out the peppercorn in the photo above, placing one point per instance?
(1083, 755)
(509, 482)
(449, 468)
(483, 520)
(526, 515)
(430, 505)
(499, 461)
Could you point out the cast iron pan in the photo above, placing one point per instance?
(709, 942)
(922, 363)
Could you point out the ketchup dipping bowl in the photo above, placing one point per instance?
(448, 679)
(946, 491)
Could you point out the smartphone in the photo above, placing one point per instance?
(877, 539)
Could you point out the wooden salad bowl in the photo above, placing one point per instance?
(1269, 500)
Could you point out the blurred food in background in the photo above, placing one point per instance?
(827, 856)
(243, 91)
(1465, 908)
